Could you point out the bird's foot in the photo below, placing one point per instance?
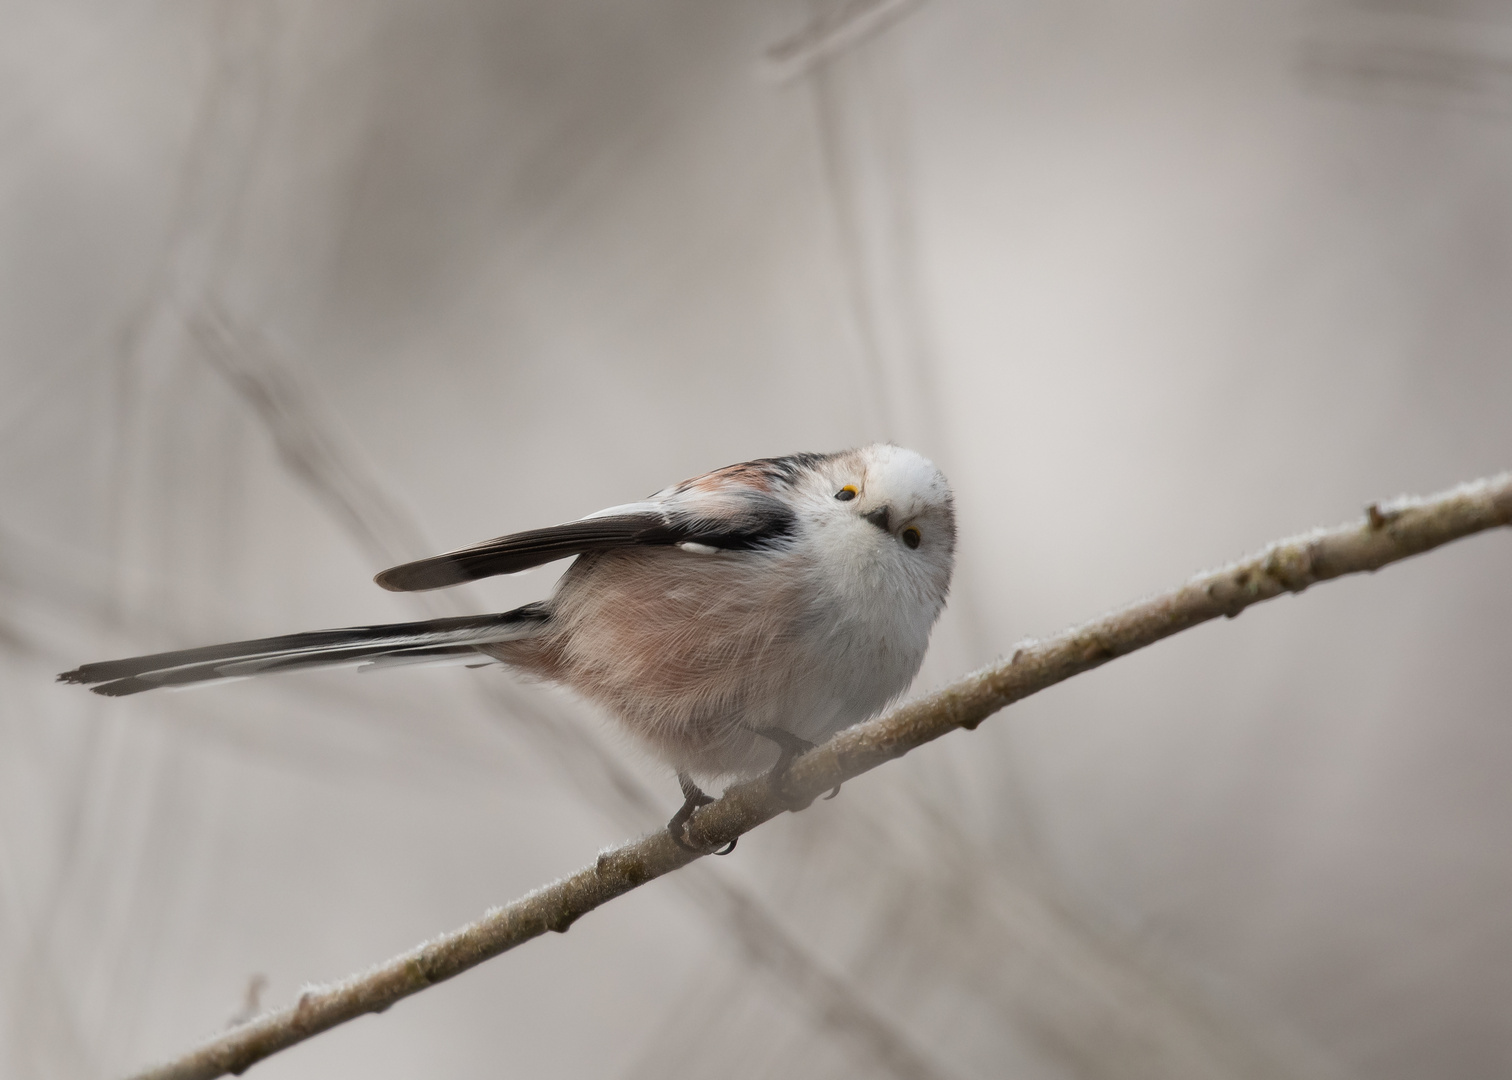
(693, 798)
(789, 746)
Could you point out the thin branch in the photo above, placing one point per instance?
(1389, 533)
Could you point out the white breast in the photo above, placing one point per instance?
(871, 620)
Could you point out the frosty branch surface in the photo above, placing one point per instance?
(1389, 532)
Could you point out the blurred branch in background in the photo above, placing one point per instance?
(1409, 54)
(832, 32)
(1389, 533)
(305, 440)
(225, 136)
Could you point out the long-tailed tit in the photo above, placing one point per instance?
(729, 621)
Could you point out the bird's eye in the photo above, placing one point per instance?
(847, 493)
(911, 537)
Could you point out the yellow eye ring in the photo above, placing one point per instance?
(911, 536)
(847, 493)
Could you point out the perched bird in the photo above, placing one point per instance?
(729, 622)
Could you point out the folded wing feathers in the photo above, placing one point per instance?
(521, 551)
(738, 519)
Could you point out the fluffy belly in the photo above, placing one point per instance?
(696, 653)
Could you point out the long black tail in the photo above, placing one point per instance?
(433, 638)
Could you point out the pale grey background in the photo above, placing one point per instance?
(292, 291)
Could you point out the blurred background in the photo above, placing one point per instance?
(291, 292)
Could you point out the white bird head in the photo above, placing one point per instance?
(884, 510)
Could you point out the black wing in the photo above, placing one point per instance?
(521, 551)
(735, 520)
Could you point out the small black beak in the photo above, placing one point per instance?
(879, 518)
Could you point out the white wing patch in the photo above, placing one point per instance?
(642, 507)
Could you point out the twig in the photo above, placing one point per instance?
(1389, 533)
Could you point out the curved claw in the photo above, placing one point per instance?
(693, 798)
(789, 746)
(833, 792)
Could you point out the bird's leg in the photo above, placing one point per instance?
(693, 798)
(789, 746)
